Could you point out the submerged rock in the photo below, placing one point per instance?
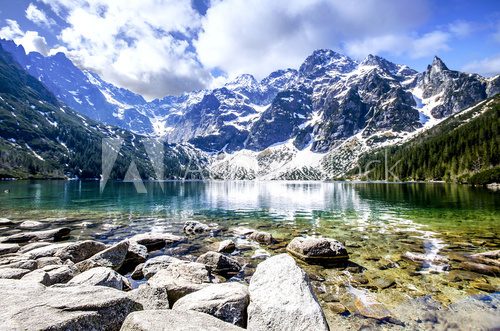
(195, 227)
(261, 237)
(112, 257)
(484, 269)
(281, 298)
(153, 320)
(181, 278)
(226, 301)
(317, 250)
(363, 303)
(30, 306)
(219, 263)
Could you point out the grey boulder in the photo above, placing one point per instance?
(79, 251)
(30, 306)
(317, 250)
(53, 235)
(281, 298)
(112, 257)
(153, 320)
(219, 263)
(226, 301)
(181, 278)
(8, 248)
(100, 276)
(155, 264)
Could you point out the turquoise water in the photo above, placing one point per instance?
(439, 205)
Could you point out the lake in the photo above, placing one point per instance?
(378, 222)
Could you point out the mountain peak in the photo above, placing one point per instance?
(242, 81)
(438, 64)
(323, 60)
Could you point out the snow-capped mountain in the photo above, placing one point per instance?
(310, 123)
(83, 90)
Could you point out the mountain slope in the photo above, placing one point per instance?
(83, 90)
(40, 137)
(454, 150)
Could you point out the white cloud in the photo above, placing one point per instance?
(31, 40)
(11, 30)
(132, 44)
(488, 67)
(461, 28)
(38, 16)
(259, 36)
(426, 45)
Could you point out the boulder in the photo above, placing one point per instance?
(17, 261)
(281, 298)
(137, 273)
(31, 306)
(48, 260)
(136, 254)
(5, 221)
(226, 246)
(181, 278)
(112, 257)
(100, 276)
(150, 297)
(153, 320)
(219, 263)
(8, 248)
(13, 273)
(226, 301)
(32, 246)
(317, 250)
(155, 241)
(59, 273)
(53, 235)
(155, 264)
(261, 237)
(79, 251)
(46, 250)
(38, 276)
(32, 225)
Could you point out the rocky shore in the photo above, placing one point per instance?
(205, 277)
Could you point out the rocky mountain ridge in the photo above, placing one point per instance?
(310, 123)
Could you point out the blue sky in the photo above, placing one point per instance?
(161, 47)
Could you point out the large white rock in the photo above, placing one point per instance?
(100, 276)
(154, 320)
(226, 301)
(112, 257)
(79, 251)
(155, 264)
(181, 278)
(281, 298)
(30, 306)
